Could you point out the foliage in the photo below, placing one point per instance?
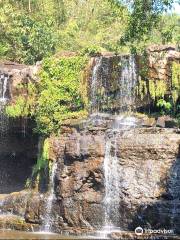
(165, 107)
(25, 105)
(23, 38)
(34, 29)
(43, 158)
(144, 17)
(59, 96)
(142, 89)
(175, 81)
(157, 89)
(90, 51)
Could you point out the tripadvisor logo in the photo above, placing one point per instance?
(139, 231)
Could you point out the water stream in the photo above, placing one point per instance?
(48, 216)
(4, 82)
(113, 83)
(112, 173)
(4, 79)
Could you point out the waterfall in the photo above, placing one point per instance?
(112, 173)
(48, 218)
(113, 84)
(94, 84)
(111, 180)
(3, 87)
(127, 83)
(4, 83)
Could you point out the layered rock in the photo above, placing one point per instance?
(149, 168)
(160, 59)
(19, 75)
(148, 158)
(121, 82)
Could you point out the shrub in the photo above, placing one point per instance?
(59, 95)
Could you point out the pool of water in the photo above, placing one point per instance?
(9, 234)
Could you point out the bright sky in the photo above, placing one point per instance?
(176, 8)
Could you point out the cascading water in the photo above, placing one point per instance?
(4, 82)
(113, 86)
(4, 78)
(48, 218)
(112, 173)
(127, 82)
(94, 84)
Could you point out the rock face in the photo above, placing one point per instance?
(114, 81)
(149, 165)
(148, 156)
(149, 168)
(19, 76)
(117, 82)
(160, 59)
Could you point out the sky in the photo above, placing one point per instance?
(176, 8)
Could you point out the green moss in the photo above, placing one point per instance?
(142, 89)
(43, 158)
(24, 105)
(161, 89)
(42, 166)
(157, 89)
(152, 89)
(175, 81)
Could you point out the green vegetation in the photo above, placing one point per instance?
(39, 30)
(175, 81)
(43, 159)
(42, 165)
(32, 30)
(59, 96)
(157, 89)
(25, 105)
(164, 107)
(24, 39)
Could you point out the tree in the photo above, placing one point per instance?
(145, 15)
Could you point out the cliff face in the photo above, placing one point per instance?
(148, 162)
(149, 168)
(147, 157)
(115, 82)
(18, 75)
(118, 83)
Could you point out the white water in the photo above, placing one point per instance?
(112, 173)
(4, 87)
(48, 218)
(95, 83)
(124, 97)
(3, 100)
(112, 188)
(110, 91)
(127, 82)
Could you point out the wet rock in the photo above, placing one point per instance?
(146, 157)
(166, 121)
(14, 222)
(149, 167)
